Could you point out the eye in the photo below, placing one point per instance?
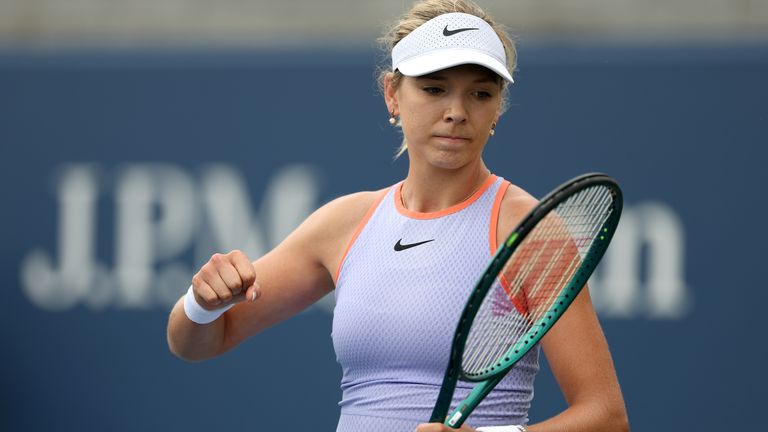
(483, 94)
(433, 90)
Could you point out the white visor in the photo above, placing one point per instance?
(450, 40)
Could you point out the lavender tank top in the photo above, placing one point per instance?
(400, 289)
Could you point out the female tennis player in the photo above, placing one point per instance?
(402, 260)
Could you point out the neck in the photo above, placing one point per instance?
(436, 191)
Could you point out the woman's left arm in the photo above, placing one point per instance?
(578, 355)
(576, 351)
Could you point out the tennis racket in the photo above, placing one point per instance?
(530, 282)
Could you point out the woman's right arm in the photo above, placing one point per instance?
(285, 281)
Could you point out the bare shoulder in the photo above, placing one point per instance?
(344, 213)
(515, 205)
(517, 198)
(330, 228)
(348, 208)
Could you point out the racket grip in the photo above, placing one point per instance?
(465, 407)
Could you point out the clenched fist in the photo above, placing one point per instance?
(224, 280)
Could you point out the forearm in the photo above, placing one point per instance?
(596, 416)
(191, 341)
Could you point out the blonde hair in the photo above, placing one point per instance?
(424, 11)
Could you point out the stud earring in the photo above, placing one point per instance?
(392, 119)
(493, 129)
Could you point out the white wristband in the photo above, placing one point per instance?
(510, 428)
(197, 314)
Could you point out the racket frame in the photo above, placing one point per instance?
(487, 381)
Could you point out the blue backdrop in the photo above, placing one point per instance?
(122, 173)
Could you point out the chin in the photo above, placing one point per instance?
(449, 161)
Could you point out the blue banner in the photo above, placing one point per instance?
(124, 172)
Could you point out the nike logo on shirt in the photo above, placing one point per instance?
(400, 247)
(447, 32)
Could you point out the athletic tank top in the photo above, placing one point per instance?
(400, 289)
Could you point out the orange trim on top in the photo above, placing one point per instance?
(359, 229)
(493, 227)
(434, 215)
(493, 234)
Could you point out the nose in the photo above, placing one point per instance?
(455, 112)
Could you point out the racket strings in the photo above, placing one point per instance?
(512, 322)
(534, 277)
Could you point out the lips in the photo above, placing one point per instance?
(452, 140)
(453, 137)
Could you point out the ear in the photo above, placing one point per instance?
(390, 95)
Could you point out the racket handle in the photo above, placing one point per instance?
(465, 408)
